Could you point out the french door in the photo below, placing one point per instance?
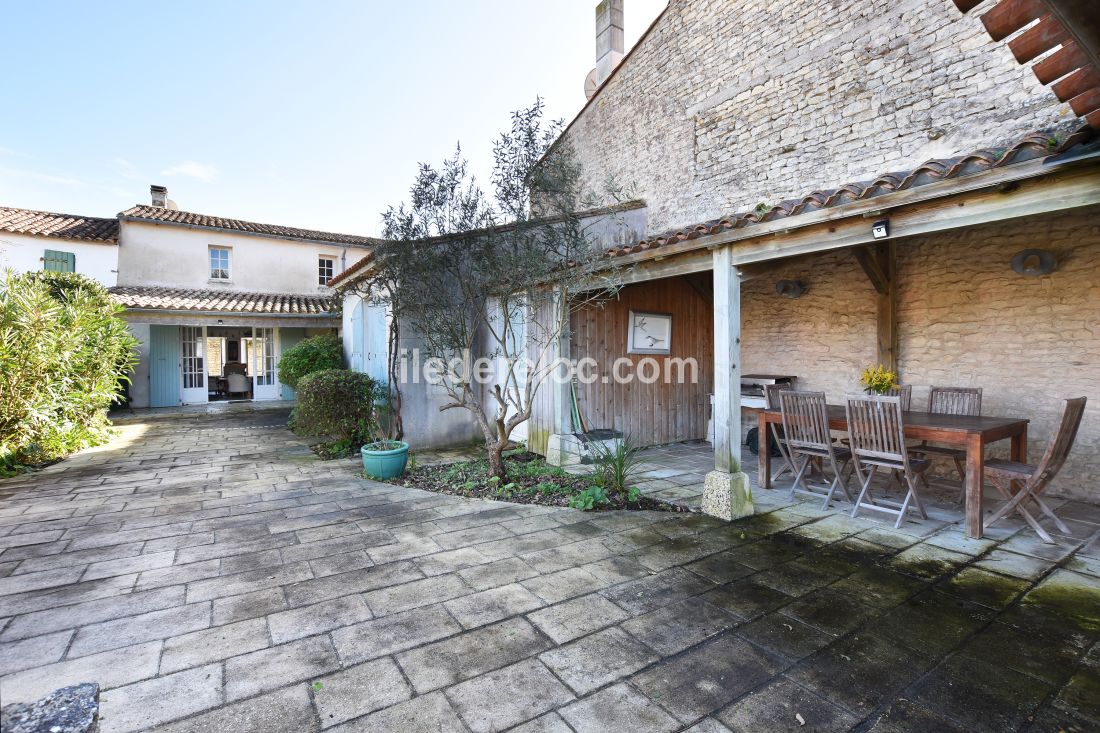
(192, 365)
(265, 383)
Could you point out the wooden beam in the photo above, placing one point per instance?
(1069, 189)
(868, 259)
(886, 257)
(727, 362)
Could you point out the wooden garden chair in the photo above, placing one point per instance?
(806, 431)
(877, 434)
(905, 392)
(951, 401)
(1033, 480)
(771, 398)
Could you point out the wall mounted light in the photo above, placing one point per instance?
(790, 288)
(880, 229)
(1033, 262)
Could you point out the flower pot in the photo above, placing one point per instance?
(385, 464)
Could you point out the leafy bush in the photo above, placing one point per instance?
(615, 466)
(64, 355)
(589, 499)
(311, 355)
(337, 403)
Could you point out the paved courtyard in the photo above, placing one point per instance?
(212, 575)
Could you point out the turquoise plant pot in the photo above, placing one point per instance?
(385, 464)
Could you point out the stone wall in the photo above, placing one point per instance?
(730, 103)
(964, 318)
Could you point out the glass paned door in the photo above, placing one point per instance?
(264, 378)
(192, 371)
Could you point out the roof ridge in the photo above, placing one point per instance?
(56, 213)
(157, 213)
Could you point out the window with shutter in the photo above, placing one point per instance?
(57, 261)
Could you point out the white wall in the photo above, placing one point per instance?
(24, 252)
(425, 425)
(177, 256)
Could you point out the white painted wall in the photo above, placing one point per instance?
(24, 252)
(176, 256)
(425, 425)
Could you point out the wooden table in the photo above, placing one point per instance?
(963, 431)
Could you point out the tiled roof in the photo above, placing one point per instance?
(188, 218)
(1036, 30)
(186, 299)
(65, 226)
(1034, 146)
(351, 270)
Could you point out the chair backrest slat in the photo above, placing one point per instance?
(1060, 443)
(771, 394)
(875, 428)
(805, 419)
(955, 400)
(905, 392)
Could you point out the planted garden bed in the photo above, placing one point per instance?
(530, 481)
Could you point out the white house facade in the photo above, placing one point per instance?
(213, 301)
(43, 240)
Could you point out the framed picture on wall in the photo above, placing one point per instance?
(649, 333)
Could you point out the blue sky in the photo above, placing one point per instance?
(306, 114)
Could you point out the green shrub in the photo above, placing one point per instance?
(588, 499)
(337, 403)
(615, 466)
(311, 355)
(64, 355)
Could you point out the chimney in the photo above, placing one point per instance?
(160, 196)
(609, 38)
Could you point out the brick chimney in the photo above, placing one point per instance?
(159, 195)
(609, 38)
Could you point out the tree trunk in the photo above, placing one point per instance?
(496, 460)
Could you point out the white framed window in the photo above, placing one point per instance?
(219, 263)
(326, 268)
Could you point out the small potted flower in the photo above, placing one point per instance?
(878, 380)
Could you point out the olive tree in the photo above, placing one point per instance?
(491, 275)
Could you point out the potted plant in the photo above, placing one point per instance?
(878, 380)
(385, 459)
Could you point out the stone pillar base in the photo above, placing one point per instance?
(727, 495)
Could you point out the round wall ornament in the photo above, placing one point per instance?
(1033, 262)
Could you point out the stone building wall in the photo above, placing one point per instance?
(964, 318)
(730, 103)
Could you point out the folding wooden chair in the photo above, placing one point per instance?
(806, 430)
(905, 392)
(1034, 479)
(877, 436)
(951, 401)
(771, 398)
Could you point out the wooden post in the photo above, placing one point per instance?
(880, 263)
(727, 363)
(887, 256)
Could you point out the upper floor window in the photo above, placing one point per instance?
(325, 268)
(57, 261)
(219, 263)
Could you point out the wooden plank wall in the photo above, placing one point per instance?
(650, 414)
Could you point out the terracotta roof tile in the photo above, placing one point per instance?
(63, 226)
(228, 301)
(1032, 147)
(188, 218)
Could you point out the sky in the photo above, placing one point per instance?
(310, 114)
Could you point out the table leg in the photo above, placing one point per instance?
(975, 475)
(764, 463)
(1019, 454)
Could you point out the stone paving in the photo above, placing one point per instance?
(212, 574)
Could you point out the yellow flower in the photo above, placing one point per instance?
(878, 379)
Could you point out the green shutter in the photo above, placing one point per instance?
(56, 261)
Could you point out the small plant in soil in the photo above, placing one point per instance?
(530, 481)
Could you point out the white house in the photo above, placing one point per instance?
(213, 301)
(43, 240)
